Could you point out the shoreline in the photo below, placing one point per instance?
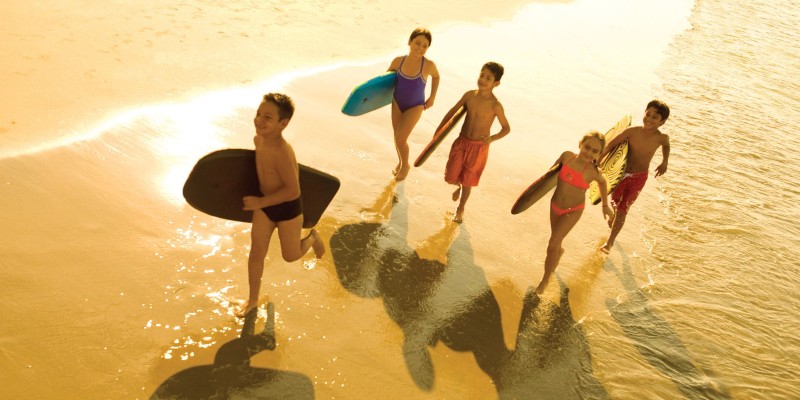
(80, 66)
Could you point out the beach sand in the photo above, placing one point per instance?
(68, 65)
(116, 287)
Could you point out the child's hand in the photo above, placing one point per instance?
(251, 203)
(608, 213)
(428, 104)
(661, 170)
(488, 139)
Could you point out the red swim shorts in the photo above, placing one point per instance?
(628, 190)
(466, 162)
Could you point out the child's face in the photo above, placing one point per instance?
(652, 119)
(419, 45)
(486, 80)
(267, 120)
(590, 149)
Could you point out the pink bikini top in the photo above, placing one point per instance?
(573, 177)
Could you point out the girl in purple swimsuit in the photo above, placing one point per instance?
(568, 202)
(409, 94)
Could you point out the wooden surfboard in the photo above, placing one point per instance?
(614, 163)
(219, 180)
(440, 135)
(371, 95)
(537, 190)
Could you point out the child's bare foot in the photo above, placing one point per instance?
(606, 248)
(402, 173)
(396, 169)
(318, 246)
(540, 289)
(459, 217)
(245, 308)
(457, 193)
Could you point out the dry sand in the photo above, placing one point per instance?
(68, 64)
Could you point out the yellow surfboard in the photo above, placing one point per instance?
(614, 163)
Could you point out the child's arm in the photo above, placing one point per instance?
(662, 169)
(505, 128)
(286, 169)
(434, 85)
(602, 185)
(394, 65)
(563, 157)
(452, 112)
(615, 142)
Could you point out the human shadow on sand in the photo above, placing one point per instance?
(231, 376)
(552, 358)
(452, 303)
(658, 342)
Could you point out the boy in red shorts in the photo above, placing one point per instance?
(470, 150)
(643, 141)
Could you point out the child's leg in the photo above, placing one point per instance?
(407, 121)
(622, 198)
(616, 227)
(259, 244)
(559, 227)
(465, 192)
(292, 247)
(396, 114)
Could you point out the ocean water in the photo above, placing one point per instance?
(115, 287)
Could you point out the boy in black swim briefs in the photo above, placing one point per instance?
(280, 206)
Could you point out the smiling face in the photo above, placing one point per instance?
(652, 119)
(418, 45)
(486, 80)
(590, 148)
(267, 120)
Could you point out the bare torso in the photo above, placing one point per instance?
(642, 146)
(480, 116)
(267, 158)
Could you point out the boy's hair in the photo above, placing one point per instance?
(661, 108)
(495, 68)
(597, 135)
(284, 103)
(423, 32)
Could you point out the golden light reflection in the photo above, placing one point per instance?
(191, 129)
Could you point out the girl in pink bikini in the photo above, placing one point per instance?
(409, 95)
(568, 202)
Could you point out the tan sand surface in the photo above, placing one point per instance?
(68, 64)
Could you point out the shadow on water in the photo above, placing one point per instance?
(657, 342)
(552, 359)
(452, 303)
(231, 376)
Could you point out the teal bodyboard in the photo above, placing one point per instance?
(371, 95)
